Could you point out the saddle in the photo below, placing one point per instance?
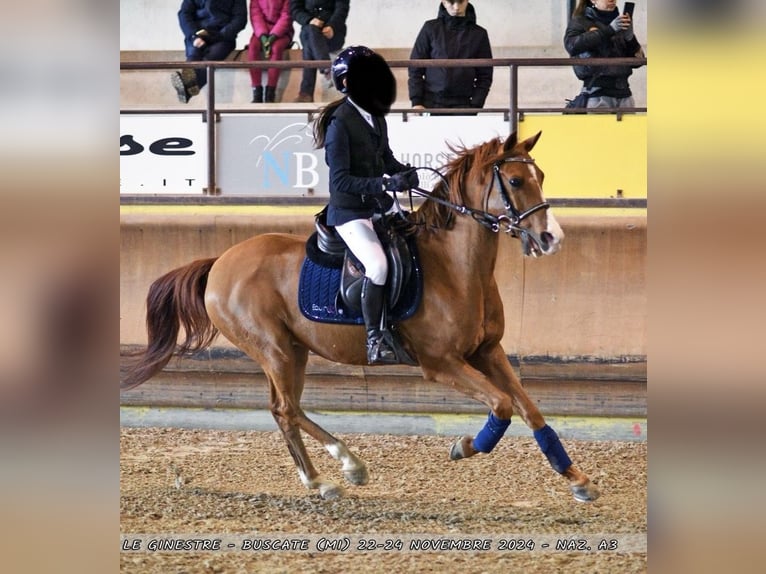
(352, 270)
(331, 278)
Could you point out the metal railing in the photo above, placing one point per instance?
(513, 112)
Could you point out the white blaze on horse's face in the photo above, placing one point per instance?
(551, 235)
(522, 181)
(554, 229)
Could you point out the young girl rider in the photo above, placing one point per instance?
(363, 169)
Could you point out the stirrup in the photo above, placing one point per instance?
(395, 343)
(385, 344)
(379, 352)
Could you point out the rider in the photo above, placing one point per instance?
(363, 168)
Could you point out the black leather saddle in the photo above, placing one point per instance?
(398, 253)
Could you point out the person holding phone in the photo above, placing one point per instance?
(597, 29)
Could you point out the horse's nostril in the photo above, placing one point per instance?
(546, 240)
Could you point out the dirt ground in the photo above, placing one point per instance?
(242, 485)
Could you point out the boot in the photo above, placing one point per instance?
(270, 95)
(185, 84)
(379, 352)
(257, 95)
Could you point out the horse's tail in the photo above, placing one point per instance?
(175, 299)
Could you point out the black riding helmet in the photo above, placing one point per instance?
(369, 80)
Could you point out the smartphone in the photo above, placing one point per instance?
(628, 9)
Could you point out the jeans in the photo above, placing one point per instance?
(610, 102)
(316, 47)
(209, 52)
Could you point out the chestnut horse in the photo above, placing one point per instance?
(250, 295)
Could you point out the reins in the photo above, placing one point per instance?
(509, 222)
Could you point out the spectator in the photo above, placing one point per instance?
(454, 34)
(210, 30)
(272, 34)
(598, 30)
(323, 30)
(354, 133)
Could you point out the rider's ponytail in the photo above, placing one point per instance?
(323, 120)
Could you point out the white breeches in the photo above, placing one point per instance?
(361, 239)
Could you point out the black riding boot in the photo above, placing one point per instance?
(257, 95)
(379, 352)
(270, 95)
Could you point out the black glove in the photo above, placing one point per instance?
(402, 181)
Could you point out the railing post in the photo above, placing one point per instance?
(211, 147)
(513, 116)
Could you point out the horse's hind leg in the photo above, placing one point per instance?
(494, 364)
(286, 382)
(354, 469)
(286, 391)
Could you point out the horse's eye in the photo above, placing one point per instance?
(516, 181)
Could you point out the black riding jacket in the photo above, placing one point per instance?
(358, 155)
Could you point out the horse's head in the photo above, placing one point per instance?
(515, 195)
(501, 187)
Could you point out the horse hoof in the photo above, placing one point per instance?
(357, 476)
(330, 491)
(462, 449)
(586, 492)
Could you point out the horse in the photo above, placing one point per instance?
(249, 294)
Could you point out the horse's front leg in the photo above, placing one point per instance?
(494, 364)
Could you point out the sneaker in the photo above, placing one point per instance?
(303, 99)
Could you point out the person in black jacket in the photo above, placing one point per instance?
(210, 29)
(598, 30)
(363, 169)
(323, 30)
(454, 34)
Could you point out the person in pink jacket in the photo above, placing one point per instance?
(272, 34)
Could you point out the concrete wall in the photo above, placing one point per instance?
(576, 322)
(589, 300)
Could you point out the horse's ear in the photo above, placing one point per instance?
(510, 143)
(530, 143)
(527, 144)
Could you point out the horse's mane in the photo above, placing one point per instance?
(432, 215)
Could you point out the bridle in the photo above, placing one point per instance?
(510, 221)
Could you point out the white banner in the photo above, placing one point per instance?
(163, 154)
(269, 155)
(272, 155)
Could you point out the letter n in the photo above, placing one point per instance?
(272, 165)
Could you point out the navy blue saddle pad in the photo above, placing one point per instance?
(319, 284)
